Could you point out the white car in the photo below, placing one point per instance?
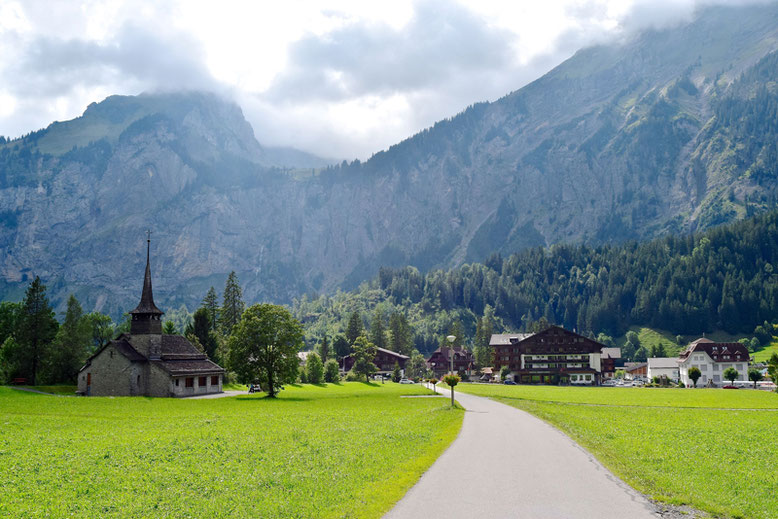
(405, 381)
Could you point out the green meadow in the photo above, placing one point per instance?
(349, 450)
(712, 449)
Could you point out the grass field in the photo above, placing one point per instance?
(706, 448)
(765, 353)
(348, 450)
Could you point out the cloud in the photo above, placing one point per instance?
(442, 42)
(136, 55)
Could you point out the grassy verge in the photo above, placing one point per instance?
(675, 445)
(54, 390)
(349, 450)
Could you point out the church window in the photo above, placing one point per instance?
(202, 382)
(215, 380)
(177, 382)
(189, 382)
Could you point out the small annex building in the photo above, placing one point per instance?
(384, 360)
(146, 362)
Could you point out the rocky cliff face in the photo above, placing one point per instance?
(668, 132)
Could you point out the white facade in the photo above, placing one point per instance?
(663, 367)
(712, 371)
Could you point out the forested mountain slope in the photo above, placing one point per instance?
(671, 131)
(724, 278)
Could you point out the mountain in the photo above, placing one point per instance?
(671, 131)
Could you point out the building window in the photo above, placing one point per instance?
(202, 382)
(189, 382)
(176, 382)
(215, 380)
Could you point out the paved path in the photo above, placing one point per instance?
(506, 463)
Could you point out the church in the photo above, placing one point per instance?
(146, 362)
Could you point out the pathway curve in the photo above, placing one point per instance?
(506, 463)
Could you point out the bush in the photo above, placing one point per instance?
(315, 368)
(331, 371)
(681, 384)
(353, 377)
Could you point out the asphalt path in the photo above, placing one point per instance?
(506, 463)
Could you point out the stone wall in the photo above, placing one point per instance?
(112, 374)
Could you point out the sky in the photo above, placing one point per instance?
(339, 78)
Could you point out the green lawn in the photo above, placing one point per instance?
(765, 353)
(348, 450)
(672, 444)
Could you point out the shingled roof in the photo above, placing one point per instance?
(717, 351)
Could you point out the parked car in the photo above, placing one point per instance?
(405, 381)
(510, 383)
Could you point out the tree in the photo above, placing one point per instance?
(324, 349)
(730, 374)
(341, 346)
(416, 366)
(315, 368)
(695, 374)
(377, 329)
(396, 373)
(483, 334)
(70, 346)
(202, 328)
(763, 335)
(659, 350)
(364, 353)
(211, 305)
(232, 307)
(36, 329)
(754, 375)
(169, 328)
(451, 381)
(264, 346)
(401, 335)
(101, 328)
(640, 355)
(504, 372)
(772, 368)
(354, 328)
(331, 371)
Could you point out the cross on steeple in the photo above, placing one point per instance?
(148, 235)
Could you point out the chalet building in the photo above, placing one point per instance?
(663, 367)
(384, 360)
(440, 360)
(146, 362)
(636, 370)
(553, 356)
(712, 358)
(610, 359)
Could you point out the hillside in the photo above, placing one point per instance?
(669, 132)
(721, 279)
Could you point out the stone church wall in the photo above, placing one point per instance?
(112, 375)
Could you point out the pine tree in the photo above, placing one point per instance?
(232, 307)
(203, 330)
(401, 335)
(36, 328)
(377, 329)
(70, 346)
(324, 349)
(354, 328)
(169, 328)
(211, 304)
(341, 346)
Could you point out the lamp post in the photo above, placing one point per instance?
(451, 339)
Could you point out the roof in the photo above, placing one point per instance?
(634, 366)
(146, 305)
(190, 366)
(504, 339)
(612, 353)
(717, 351)
(393, 353)
(663, 362)
(178, 345)
(459, 352)
(126, 349)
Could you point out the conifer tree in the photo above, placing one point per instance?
(401, 336)
(232, 307)
(211, 304)
(36, 328)
(203, 330)
(354, 328)
(70, 346)
(341, 346)
(324, 349)
(378, 329)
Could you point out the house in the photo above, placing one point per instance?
(610, 360)
(146, 362)
(384, 360)
(553, 356)
(663, 367)
(712, 359)
(635, 370)
(444, 358)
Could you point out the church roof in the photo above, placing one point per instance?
(146, 305)
(190, 366)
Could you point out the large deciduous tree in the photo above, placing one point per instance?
(730, 374)
(754, 375)
(695, 374)
(364, 353)
(263, 347)
(341, 346)
(232, 307)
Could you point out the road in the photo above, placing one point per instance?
(506, 463)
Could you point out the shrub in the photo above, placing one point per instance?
(331, 371)
(315, 368)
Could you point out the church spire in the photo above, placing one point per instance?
(146, 318)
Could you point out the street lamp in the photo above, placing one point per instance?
(451, 339)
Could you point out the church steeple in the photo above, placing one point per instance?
(146, 318)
